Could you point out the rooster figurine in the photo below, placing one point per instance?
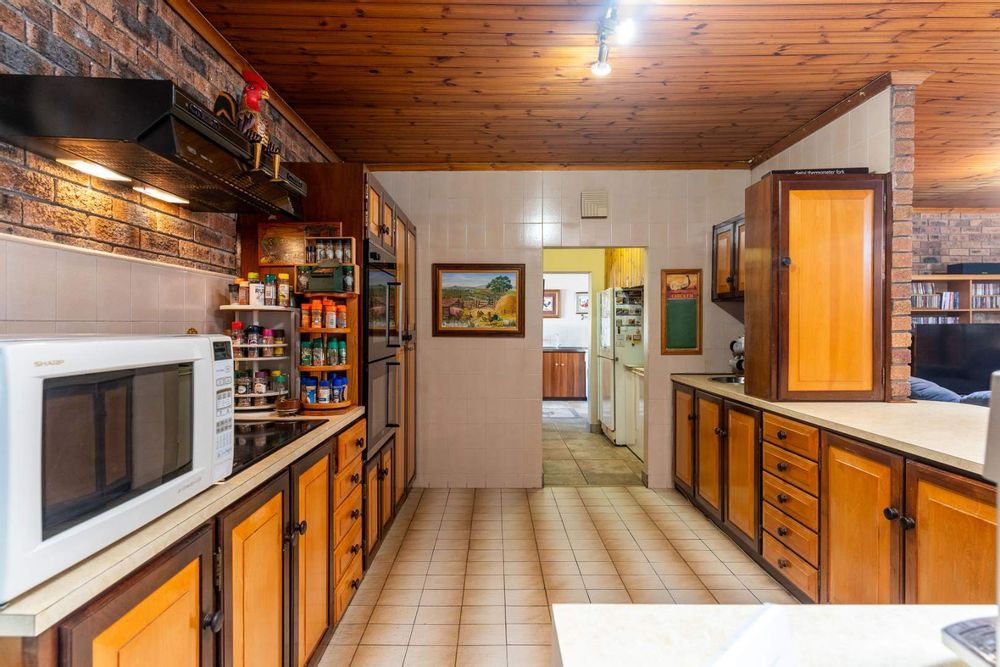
(248, 117)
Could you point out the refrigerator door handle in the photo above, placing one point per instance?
(392, 395)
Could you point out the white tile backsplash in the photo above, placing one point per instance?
(31, 282)
(76, 287)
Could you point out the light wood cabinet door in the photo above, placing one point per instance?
(312, 483)
(372, 516)
(723, 251)
(742, 470)
(374, 212)
(951, 538)
(254, 538)
(386, 475)
(161, 616)
(860, 532)
(708, 488)
(741, 257)
(410, 431)
(684, 421)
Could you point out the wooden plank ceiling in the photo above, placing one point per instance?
(500, 82)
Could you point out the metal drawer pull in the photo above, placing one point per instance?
(355, 514)
(355, 584)
(782, 466)
(301, 527)
(719, 431)
(908, 522)
(213, 622)
(356, 477)
(359, 443)
(783, 563)
(355, 548)
(782, 498)
(782, 531)
(890, 513)
(782, 435)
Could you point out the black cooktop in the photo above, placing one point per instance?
(257, 439)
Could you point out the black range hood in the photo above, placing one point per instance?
(148, 130)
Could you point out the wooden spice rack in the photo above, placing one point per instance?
(326, 372)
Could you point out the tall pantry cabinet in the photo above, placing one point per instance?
(815, 276)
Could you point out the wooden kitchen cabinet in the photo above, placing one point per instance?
(564, 375)
(255, 584)
(684, 426)
(161, 616)
(709, 455)
(815, 263)
(387, 474)
(742, 472)
(728, 259)
(950, 525)
(379, 494)
(861, 536)
(373, 211)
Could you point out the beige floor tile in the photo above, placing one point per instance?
(357, 613)
(774, 596)
(483, 615)
(444, 582)
(450, 555)
(560, 567)
(547, 555)
(410, 567)
(483, 656)
(759, 581)
(682, 582)
(400, 597)
(434, 635)
(520, 554)
(563, 582)
(487, 567)
(441, 598)
(405, 582)
(634, 568)
(598, 567)
(538, 634)
(609, 596)
(393, 614)
(337, 656)
(523, 582)
(486, 555)
(484, 582)
(387, 634)
(710, 568)
(672, 568)
(529, 656)
(430, 656)
(493, 634)
(348, 634)
(481, 597)
(415, 555)
(438, 615)
(479, 544)
(445, 568)
(521, 568)
(606, 582)
(729, 596)
(627, 556)
(525, 598)
(692, 597)
(569, 596)
(591, 555)
(379, 656)
(533, 614)
(642, 582)
(651, 597)
(744, 568)
(721, 581)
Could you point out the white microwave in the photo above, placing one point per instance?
(99, 436)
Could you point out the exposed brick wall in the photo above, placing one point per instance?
(128, 39)
(941, 238)
(902, 134)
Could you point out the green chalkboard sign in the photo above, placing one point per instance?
(680, 311)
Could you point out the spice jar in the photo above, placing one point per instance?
(329, 314)
(306, 353)
(341, 317)
(284, 290)
(260, 382)
(308, 390)
(323, 395)
(281, 384)
(267, 339)
(306, 314)
(253, 338)
(270, 290)
(319, 354)
(317, 314)
(256, 289)
(237, 334)
(234, 294)
(348, 259)
(242, 383)
(338, 251)
(348, 278)
(279, 340)
(342, 352)
(332, 355)
(244, 293)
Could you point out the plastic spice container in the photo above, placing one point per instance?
(242, 383)
(244, 293)
(306, 353)
(306, 314)
(284, 290)
(279, 339)
(272, 380)
(342, 352)
(308, 390)
(234, 294)
(260, 379)
(237, 334)
(267, 339)
(341, 317)
(319, 353)
(256, 289)
(253, 338)
(280, 382)
(270, 290)
(332, 353)
(347, 252)
(329, 314)
(323, 395)
(316, 321)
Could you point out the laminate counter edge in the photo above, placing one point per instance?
(45, 605)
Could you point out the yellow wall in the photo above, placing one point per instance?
(582, 260)
(625, 267)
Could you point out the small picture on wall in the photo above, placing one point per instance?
(478, 299)
(583, 303)
(550, 303)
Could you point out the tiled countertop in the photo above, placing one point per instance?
(690, 635)
(47, 604)
(951, 434)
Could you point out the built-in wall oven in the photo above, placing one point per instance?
(383, 307)
(101, 435)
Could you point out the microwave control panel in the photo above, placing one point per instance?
(222, 458)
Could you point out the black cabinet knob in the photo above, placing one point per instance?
(356, 477)
(786, 261)
(729, 279)
(355, 514)
(890, 513)
(721, 432)
(359, 443)
(783, 563)
(908, 522)
(355, 548)
(782, 466)
(301, 527)
(213, 622)
(782, 531)
(691, 418)
(355, 583)
(782, 435)
(782, 498)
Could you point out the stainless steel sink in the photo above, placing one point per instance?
(727, 379)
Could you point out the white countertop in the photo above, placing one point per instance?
(690, 635)
(952, 434)
(47, 604)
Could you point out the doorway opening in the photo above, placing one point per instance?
(593, 363)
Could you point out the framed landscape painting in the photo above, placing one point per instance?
(478, 299)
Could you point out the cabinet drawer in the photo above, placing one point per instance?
(793, 501)
(792, 435)
(351, 443)
(345, 590)
(345, 481)
(791, 533)
(792, 468)
(347, 516)
(801, 574)
(345, 553)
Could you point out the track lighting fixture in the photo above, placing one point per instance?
(624, 31)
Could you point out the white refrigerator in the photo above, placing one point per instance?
(619, 345)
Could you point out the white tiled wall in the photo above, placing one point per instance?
(57, 289)
(859, 138)
(479, 400)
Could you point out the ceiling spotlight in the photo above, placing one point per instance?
(601, 66)
(625, 32)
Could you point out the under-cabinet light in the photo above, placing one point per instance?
(92, 169)
(160, 194)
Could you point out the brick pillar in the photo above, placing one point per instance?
(903, 92)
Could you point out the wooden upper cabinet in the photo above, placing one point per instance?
(374, 212)
(708, 489)
(860, 531)
(161, 616)
(815, 270)
(388, 227)
(742, 472)
(723, 252)
(684, 438)
(741, 256)
(951, 538)
(255, 578)
(312, 484)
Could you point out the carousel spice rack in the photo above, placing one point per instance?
(323, 335)
(275, 318)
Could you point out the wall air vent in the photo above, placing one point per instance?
(594, 204)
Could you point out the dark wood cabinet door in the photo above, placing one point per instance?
(709, 457)
(549, 369)
(952, 545)
(742, 472)
(255, 535)
(860, 542)
(723, 252)
(158, 617)
(312, 493)
(740, 261)
(684, 425)
(372, 519)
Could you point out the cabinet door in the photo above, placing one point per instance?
(399, 458)
(952, 545)
(255, 537)
(386, 475)
(708, 454)
(577, 374)
(410, 432)
(831, 261)
(549, 369)
(161, 616)
(374, 212)
(741, 257)
(723, 251)
(742, 468)
(312, 485)
(371, 511)
(388, 224)
(684, 438)
(860, 536)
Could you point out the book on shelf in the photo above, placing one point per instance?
(986, 295)
(936, 300)
(933, 319)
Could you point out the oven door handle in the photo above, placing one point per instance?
(388, 322)
(392, 395)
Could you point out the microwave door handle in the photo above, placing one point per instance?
(388, 335)
(392, 395)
